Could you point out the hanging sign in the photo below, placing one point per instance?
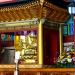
(65, 30)
(71, 29)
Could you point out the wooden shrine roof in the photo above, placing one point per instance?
(33, 10)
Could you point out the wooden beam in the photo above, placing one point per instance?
(22, 68)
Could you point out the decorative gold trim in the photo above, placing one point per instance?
(23, 68)
(32, 10)
(61, 39)
(40, 43)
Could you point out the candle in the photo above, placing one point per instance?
(16, 72)
(17, 55)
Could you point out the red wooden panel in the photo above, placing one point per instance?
(51, 45)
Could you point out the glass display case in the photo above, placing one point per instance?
(26, 43)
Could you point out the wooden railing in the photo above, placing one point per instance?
(9, 70)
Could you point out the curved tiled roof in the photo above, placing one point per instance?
(33, 10)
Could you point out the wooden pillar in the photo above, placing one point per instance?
(40, 43)
(61, 39)
(41, 35)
